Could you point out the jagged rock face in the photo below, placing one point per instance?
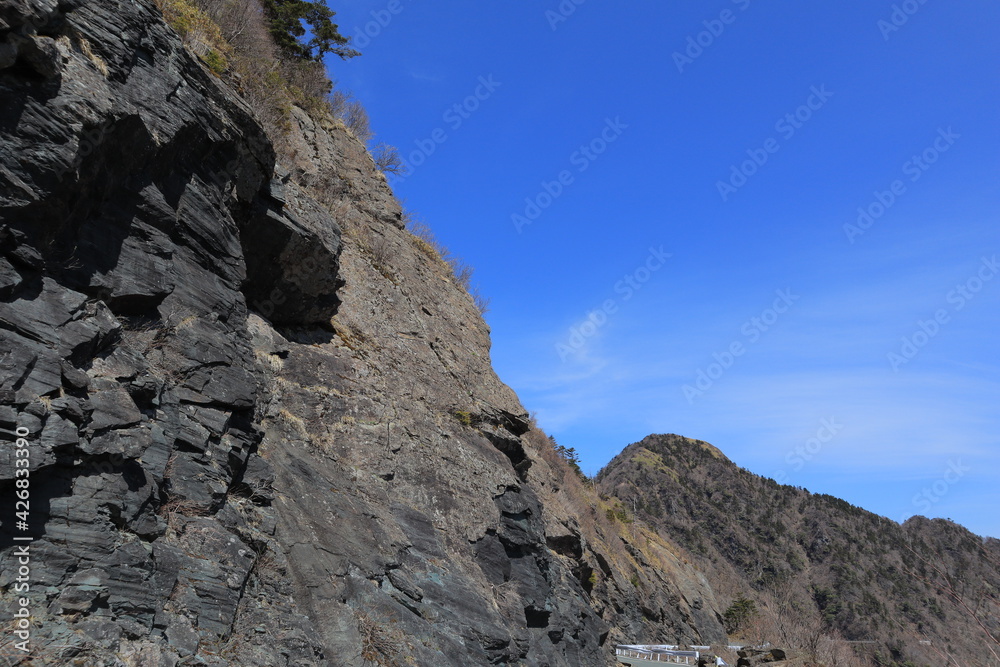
(413, 537)
(137, 217)
(255, 439)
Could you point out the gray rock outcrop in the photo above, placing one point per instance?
(263, 423)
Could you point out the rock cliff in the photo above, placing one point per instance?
(262, 421)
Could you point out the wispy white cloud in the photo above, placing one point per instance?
(824, 361)
(423, 75)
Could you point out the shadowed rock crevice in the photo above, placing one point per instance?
(537, 618)
(292, 264)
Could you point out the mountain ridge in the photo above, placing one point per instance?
(866, 576)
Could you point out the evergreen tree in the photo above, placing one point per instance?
(739, 613)
(291, 21)
(569, 453)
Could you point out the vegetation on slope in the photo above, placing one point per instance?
(814, 565)
(236, 40)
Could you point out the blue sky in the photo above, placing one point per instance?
(771, 226)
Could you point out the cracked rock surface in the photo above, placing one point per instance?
(263, 422)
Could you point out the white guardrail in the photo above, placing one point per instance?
(663, 655)
(668, 654)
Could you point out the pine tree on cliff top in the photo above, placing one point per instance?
(293, 20)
